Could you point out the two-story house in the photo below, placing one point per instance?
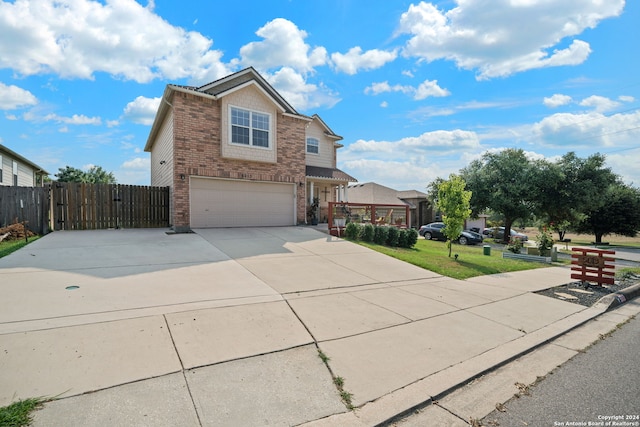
(18, 171)
(236, 154)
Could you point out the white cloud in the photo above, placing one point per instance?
(77, 38)
(400, 175)
(383, 87)
(557, 100)
(424, 90)
(429, 144)
(625, 98)
(355, 60)
(384, 104)
(13, 97)
(141, 110)
(138, 163)
(76, 119)
(283, 45)
(588, 130)
(502, 37)
(620, 164)
(600, 103)
(286, 61)
(430, 88)
(411, 162)
(300, 94)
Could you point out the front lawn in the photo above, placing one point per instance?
(7, 247)
(433, 255)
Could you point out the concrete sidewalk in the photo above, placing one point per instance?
(224, 327)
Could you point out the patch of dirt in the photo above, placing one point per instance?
(588, 294)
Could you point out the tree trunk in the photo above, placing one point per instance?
(506, 237)
(599, 237)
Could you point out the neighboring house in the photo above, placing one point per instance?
(419, 207)
(235, 153)
(18, 171)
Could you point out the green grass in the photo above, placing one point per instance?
(627, 272)
(7, 247)
(434, 256)
(18, 414)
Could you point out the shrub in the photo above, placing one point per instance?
(544, 240)
(392, 236)
(380, 235)
(403, 235)
(352, 231)
(367, 233)
(515, 245)
(412, 237)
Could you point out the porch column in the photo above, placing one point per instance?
(311, 193)
(346, 196)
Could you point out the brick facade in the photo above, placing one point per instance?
(198, 138)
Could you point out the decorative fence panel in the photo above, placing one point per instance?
(82, 206)
(25, 204)
(592, 265)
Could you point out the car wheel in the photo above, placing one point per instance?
(463, 240)
(427, 235)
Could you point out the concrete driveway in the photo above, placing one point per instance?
(223, 326)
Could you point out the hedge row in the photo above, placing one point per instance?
(382, 235)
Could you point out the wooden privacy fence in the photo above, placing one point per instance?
(25, 204)
(82, 206)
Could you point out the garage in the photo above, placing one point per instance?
(234, 203)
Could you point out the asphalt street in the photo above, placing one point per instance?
(600, 387)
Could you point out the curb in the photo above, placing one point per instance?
(616, 299)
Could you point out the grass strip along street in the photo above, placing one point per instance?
(471, 262)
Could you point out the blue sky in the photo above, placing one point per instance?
(417, 89)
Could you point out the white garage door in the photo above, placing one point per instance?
(228, 203)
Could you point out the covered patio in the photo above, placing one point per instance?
(325, 185)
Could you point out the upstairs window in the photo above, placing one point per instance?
(250, 128)
(313, 146)
(15, 173)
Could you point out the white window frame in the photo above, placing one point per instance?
(15, 173)
(317, 145)
(251, 128)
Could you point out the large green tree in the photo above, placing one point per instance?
(567, 188)
(618, 213)
(502, 182)
(95, 175)
(453, 202)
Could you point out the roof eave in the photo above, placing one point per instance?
(23, 159)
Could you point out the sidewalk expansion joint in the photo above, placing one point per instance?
(437, 403)
(183, 371)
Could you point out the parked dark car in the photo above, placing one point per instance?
(498, 233)
(435, 231)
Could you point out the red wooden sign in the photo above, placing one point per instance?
(590, 265)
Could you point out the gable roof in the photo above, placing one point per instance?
(412, 194)
(241, 79)
(327, 130)
(218, 89)
(328, 174)
(370, 192)
(37, 169)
